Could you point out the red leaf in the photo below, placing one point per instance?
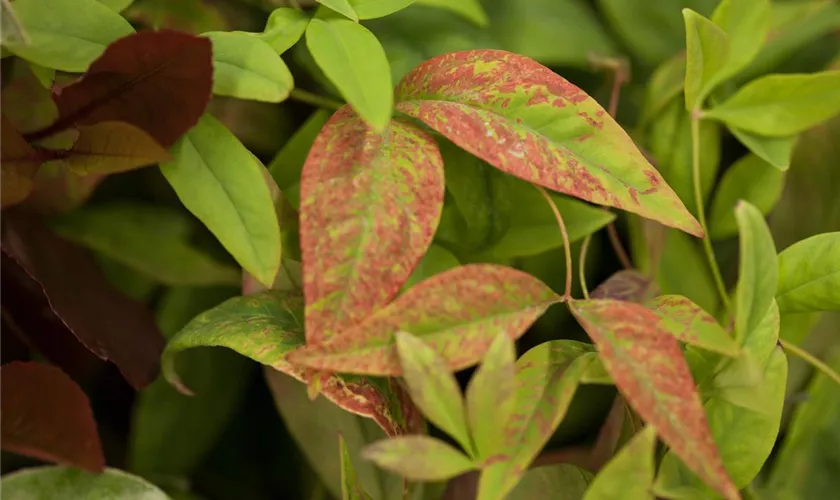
(18, 163)
(649, 370)
(108, 323)
(519, 116)
(47, 416)
(158, 81)
(369, 208)
(628, 285)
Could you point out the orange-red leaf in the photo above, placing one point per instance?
(524, 119)
(48, 417)
(648, 368)
(369, 208)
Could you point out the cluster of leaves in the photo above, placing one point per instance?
(412, 232)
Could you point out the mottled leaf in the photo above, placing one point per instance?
(284, 28)
(781, 105)
(287, 165)
(524, 119)
(353, 59)
(689, 323)
(247, 67)
(560, 482)
(458, 313)
(468, 9)
(746, 23)
(369, 208)
(418, 458)
(351, 489)
(630, 473)
(774, 150)
(627, 285)
(758, 272)
(648, 368)
(490, 397)
(750, 179)
(69, 482)
(222, 184)
(112, 147)
(66, 34)
(18, 164)
(707, 53)
(47, 416)
(809, 275)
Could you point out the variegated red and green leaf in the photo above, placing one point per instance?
(458, 313)
(266, 327)
(526, 120)
(370, 205)
(648, 368)
(689, 323)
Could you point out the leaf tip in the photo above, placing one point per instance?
(171, 375)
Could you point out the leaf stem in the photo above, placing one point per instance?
(314, 99)
(701, 211)
(582, 265)
(810, 359)
(618, 248)
(568, 251)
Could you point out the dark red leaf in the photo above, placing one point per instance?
(48, 417)
(628, 285)
(18, 163)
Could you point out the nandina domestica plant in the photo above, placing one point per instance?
(396, 208)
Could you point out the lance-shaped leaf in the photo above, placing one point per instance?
(247, 67)
(524, 119)
(458, 313)
(112, 147)
(665, 84)
(370, 205)
(630, 473)
(70, 482)
(809, 275)
(776, 151)
(707, 52)
(491, 395)
(648, 367)
(351, 488)
(433, 388)
(750, 179)
(628, 285)
(758, 273)
(689, 323)
(746, 24)
(48, 417)
(418, 458)
(284, 28)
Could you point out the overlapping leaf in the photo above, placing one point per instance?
(627, 285)
(458, 313)
(630, 473)
(542, 482)
(351, 488)
(247, 67)
(774, 150)
(419, 458)
(689, 323)
(287, 165)
(750, 179)
(370, 205)
(111, 147)
(758, 274)
(70, 482)
(18, 164)
(648, 368)
(524, 119)
(707, 53)
(284, 28)
(809, 275)
(746, 24)
(491, 395)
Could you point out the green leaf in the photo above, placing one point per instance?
(683, 271)
(750, 179)
(560, 482)
(418, 458)
(368, 213)
(222, 184)
(664, 86)
(432, 388)
(781, 105)
(67, 482)
(471, 10)
(351, 488)
(341, 6)
(630, 473)
(648, 368)
(490, 397)
(809, 275)
(758, 273)
(284, 28)
(493, 103)
(707, 53)
(691, 324)
(288, 163)
(436, 261)
(116, 5)
(459, 313)
(746, 23)
(67, 35)
(133, 235)
(774, 150)
(371, 9)
(353, 59)
(247, 67)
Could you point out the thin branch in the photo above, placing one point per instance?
(618, 248)
(810, 359)
(314, 99)
(584, 248)
(568, 251)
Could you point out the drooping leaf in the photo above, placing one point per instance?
(781, 105)
(492, 102)
(746, 23)
(630, 473)
(809, 275)
(707, 54)
(47, 416)
(222, 184)
(369, 208)
(648, 368)
(69, 482)
(751, 179)
(418, 458)
(433, 388)
(287, 165)
(471, 10)
(490, 397)
(628, 285)
(774, 150)
(66, 34)
(247, 67)
(96, 317)
(18, 164)
(284, 28)
(341, 6)
(112, 147)
(458, 313)
(125, 83)
(689, 323)
(353, 59)
(561, 481)
(351, 489)
(758, 273)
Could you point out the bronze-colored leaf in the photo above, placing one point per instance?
(110, 147)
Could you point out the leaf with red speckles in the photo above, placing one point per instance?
(648, 367)
(458, 312)
(369, 208)
(628, 285)
(689, 323)
(158, 81)
(526, 120)
(419, 458)
(48, 417)
(266, 327)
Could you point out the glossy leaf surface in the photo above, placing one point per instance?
(247, 67)
(54, 483)
(630, 472)
(491, 395)
(809, 275)
(418, 458)
(758, 274)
